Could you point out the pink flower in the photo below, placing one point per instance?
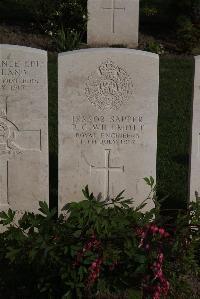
(156, 295)
(159, 274)
(147, 246)
(139, 231)
(161, 231)
(94, 271)
(94, 264)
(155, 284)
(154, 228)
(166, 235)
(165, 287)
(161, 257)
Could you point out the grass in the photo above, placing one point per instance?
(174, 123)
(53, 129)
(133, 294)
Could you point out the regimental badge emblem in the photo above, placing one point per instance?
(109, 87)
(7, 136)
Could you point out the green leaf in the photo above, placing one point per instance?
(119, 196)
(150, 181)
(86, 192)
(7, 218)
(3, 215)
(147, 180)
(44, 209)
(12, 253)
(141, 206)
(77, 233)
(140, 258)
(68, 295)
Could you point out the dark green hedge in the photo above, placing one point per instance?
(16, 11)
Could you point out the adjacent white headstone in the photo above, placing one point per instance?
(108, 106)
(23, 128)
(195, 151)
(113, 22)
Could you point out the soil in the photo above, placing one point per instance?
(24, 35)
(28, 36)
(18, 35)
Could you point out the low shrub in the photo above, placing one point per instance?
(154, 47)
(16, 11)
(99, 247)
(65, 21)
(52, 16)
(67, 40)
(187, 34)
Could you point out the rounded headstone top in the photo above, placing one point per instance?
(111, 50)
(22, 48)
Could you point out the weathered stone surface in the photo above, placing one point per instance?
(108, 105)
(195, 150)
(113, 22)
(23, 128)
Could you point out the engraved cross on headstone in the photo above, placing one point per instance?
(9, 149)
(113, 10)
(107, 169)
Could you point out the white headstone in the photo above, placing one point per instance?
(195, 151)
(113, 22)
(23, 128)
(108, 106)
